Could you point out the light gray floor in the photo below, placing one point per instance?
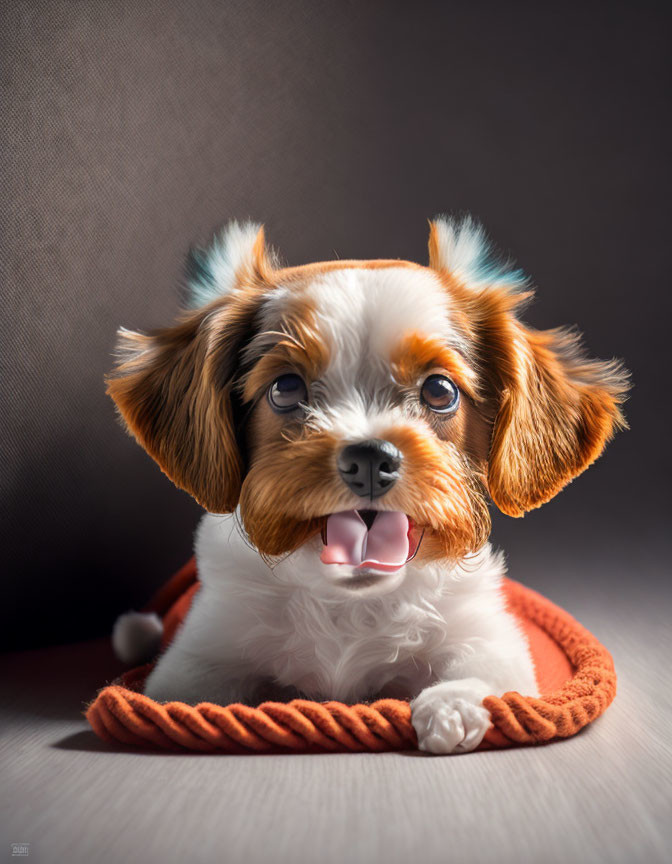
(603, 796)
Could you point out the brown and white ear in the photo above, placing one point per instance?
(557, 411)
(175, 388)
(236, 257)
(555, 408)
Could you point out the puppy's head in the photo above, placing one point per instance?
(371, 405)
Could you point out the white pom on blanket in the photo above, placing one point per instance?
(136, 636)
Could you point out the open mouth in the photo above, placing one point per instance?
(370, 539)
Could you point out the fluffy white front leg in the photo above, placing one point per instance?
(485, 653)
(449, 717)
(203, 663)
(180, 676)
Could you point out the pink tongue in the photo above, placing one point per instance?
(384, 547)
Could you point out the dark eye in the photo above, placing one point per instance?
(440, 394)
(286, 392)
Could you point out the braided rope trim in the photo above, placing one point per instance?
(587, 695)
(122, 715)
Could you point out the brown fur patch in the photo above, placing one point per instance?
(173, 387)
(442, 491)
(291, 484)
(310, 271)
(299, 346)
(417, 353)
(554, 408)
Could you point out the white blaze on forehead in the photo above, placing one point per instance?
(363, 315)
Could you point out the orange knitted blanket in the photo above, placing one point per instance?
(574, 670)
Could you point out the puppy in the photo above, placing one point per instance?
(344, 425)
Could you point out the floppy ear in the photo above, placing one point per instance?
(175, 387)
(555, 408)
(557, 411)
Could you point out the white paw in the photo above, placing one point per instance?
(449, 717)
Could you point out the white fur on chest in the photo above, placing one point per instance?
(289, 625)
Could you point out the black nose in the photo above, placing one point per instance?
(369, 468)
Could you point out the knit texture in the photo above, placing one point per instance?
(575, 672)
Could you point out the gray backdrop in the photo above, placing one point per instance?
(131, 130)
